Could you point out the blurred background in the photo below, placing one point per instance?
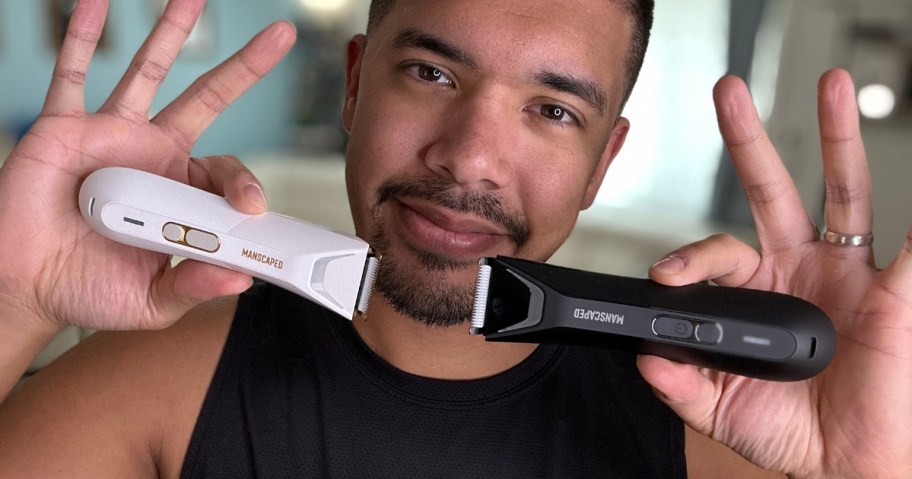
(671, 183)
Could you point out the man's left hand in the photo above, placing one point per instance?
(854, 419)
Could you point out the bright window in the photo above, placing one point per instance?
(669, 161)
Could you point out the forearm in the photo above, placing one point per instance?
(22, 337)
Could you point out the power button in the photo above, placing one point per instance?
(671, 327)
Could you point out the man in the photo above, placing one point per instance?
(477, 128)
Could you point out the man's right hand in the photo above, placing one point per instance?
(54, 269)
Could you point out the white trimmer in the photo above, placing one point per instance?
(148, 211)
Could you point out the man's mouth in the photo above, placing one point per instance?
(448, 233)
(445, 226)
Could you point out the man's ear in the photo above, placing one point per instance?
(615, 142)
(355, 56)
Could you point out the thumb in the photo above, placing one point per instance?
(689, 391)
(227, 176)
(190, 283)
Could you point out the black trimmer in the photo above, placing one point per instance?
(753, 333)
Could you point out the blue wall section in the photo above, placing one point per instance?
(262, 120)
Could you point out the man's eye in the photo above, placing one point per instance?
(557, 113)
(430, 74)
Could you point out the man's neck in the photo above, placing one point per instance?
(435, 352)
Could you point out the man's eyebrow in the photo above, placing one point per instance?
(414, 38)
(587, 90)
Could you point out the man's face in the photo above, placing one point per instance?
(478, 129)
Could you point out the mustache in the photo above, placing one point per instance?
(446, 194)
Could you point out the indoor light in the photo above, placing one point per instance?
(876, 101)
(324, 6)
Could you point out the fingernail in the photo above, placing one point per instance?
(669, 265)
(255, 195)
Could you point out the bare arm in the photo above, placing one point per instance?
(21, 341)
(120, 404)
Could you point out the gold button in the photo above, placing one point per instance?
(202, 240)
(173, 232)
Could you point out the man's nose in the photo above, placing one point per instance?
(475, 143)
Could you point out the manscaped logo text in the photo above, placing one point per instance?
(600, 316)
(262, 258)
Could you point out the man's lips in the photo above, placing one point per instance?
(445, 231)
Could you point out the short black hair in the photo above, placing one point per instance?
(640, 11)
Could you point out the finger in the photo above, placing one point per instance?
(845, 167)
(187, 117)
(898, 275)
(227, 176)
(65, 95)
(720, 258)
(134, 94)
(778, 212)
(689, 393)
(191, 282)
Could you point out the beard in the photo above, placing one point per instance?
(424, 293)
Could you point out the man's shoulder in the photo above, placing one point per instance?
(173, 367)
(182, 354)
(119, 393)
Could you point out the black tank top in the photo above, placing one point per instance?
(297, 394)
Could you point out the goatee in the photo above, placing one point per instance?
(424, 293)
